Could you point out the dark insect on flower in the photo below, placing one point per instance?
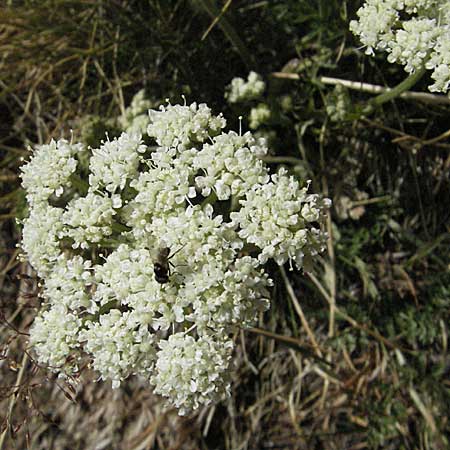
(161, 265)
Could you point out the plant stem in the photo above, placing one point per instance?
(120, 227)
(425, 97)
(291, 342)
(395, 92)
(210, 200)
(13, 398)
(81, 185)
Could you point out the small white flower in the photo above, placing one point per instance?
(54, 335)
(412, 44)
(230, 165)
(414, 33)
(40, 237)
(68, 282)
(49, 170)
(226, 295)
(115, 162)
(259, 115)
(88, 219)
(440, 63)
(193, 372)
(120, 346)
(240, 90)
(277, 216)
(182, 127)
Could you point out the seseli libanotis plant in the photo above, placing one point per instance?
(414, 33)
(151, 256)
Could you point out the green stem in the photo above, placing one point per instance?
(107, 307)
(104, 309)
(120, 227)
(210, 200)
(81, 185)
(389, 95)
(234, 203)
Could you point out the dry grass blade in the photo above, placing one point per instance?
(300, 313)
(13, 399)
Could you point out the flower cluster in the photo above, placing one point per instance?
(152, 256)
(182, 127)
(414, 33)
(250, 96)
(288, 233)
(49, 171)
(259, 115)
(192, 372)
(241, 90)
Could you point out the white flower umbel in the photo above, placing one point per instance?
(195, 234)
(49, 170)
(125, 271)
(230, 165)
(182, 127)
(120, 346)
(282, 220)
(40, 237)
(259, 115)
(115, 162)
(440, 62)
(414, 33)
(193, 372)
(88, 219)
(55, 337)
(68, 282)
(413, 43)
(222, 295)
(162, 247)
(127, 278)
(160, 191)
(241, 90)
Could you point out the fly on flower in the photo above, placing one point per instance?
(161, 266)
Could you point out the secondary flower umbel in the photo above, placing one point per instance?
(414, 33)
(93, 232)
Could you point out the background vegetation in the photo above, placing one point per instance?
(375, 306)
